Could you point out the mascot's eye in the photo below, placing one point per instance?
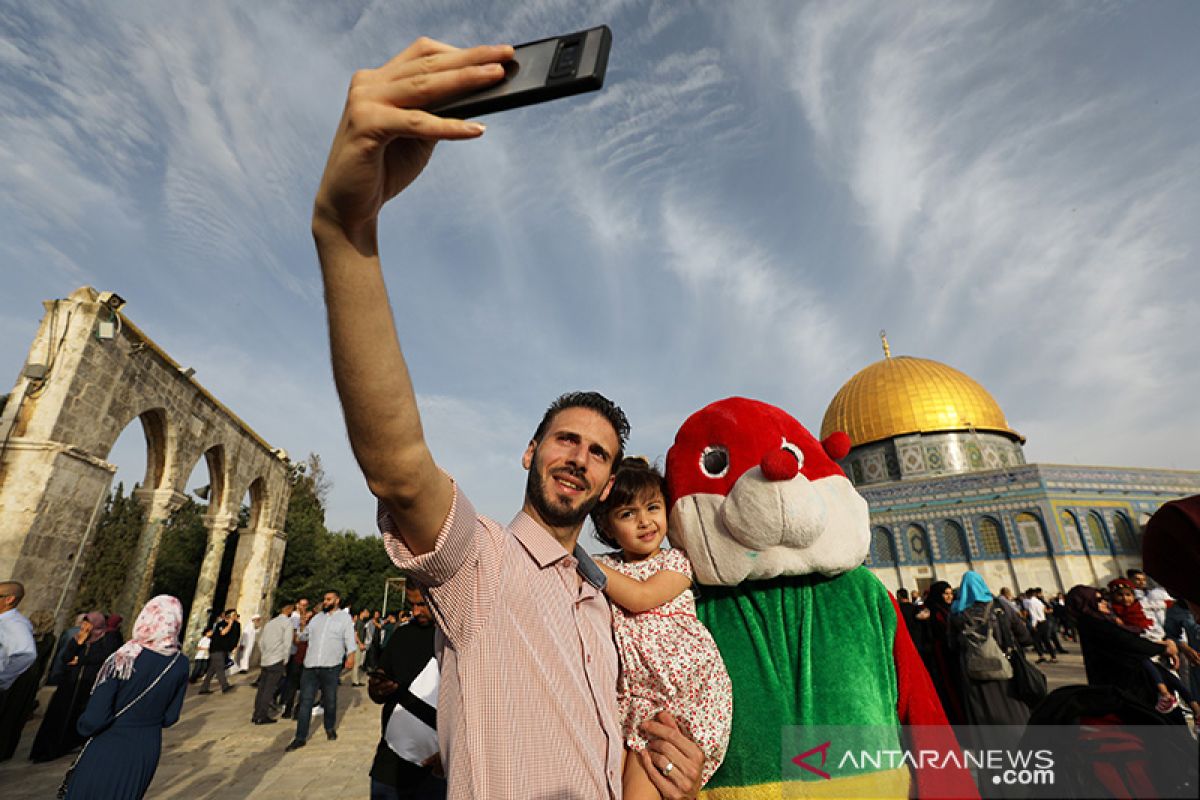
(794, 450)
(714, 461)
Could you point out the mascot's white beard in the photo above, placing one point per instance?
(768, 528)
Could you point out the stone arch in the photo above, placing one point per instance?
(954, 542)
(1068, 528)
(919, 544)
(884, 555)
(1125, 538)
(995, 553)
(160, 444)
(1037, 553)
(90, 372)
(1097, 538)
(991, 538)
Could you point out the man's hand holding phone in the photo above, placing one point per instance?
(385, 138)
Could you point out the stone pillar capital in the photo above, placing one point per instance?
(159, 500)
(222, 523)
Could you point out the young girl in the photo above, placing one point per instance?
(669, 660)
(1129, 611)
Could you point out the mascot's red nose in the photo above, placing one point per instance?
(780, 465)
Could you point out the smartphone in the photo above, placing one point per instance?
(547, 69)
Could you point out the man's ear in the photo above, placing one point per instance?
(527, 458)
(607, 488)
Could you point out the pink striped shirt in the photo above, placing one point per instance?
(528, 699)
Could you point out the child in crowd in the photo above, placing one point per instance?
(1129, 611)
(669, 660)
(201, 662)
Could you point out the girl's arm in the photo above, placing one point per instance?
(637, 596)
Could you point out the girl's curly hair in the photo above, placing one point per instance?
(635, 477)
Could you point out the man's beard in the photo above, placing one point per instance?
(554, 516)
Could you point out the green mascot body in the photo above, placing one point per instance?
(777, 536)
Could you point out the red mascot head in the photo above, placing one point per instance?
(755, 495)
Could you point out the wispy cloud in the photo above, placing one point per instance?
(757, 190)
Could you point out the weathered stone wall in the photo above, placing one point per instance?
(74, 397)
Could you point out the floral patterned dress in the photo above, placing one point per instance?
(670, 661)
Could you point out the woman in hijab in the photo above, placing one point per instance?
(941, 657)
(139, 691)
(58, 667)
(112, 629)
(974, 613)
(1112, 651)
(82, 657)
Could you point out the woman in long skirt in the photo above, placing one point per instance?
(82, 658)
(138, 693)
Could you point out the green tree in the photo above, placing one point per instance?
(180, 552)
(111, 552)
(317, 560)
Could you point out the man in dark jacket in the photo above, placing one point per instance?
(227, 632)
(406, 656)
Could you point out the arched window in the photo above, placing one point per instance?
(1095, 529)
(883, 552)
(1126, 540)
(954, 541)
(918, 543)
(991, 540)
(1069, 531)
(1029, 528)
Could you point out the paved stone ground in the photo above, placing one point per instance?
(214, 751)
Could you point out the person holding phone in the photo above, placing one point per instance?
(528, 656)
(404, 769)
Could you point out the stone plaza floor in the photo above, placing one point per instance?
(214, 751)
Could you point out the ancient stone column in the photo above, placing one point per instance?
(219, 527)
(256, 571)
(158, 503)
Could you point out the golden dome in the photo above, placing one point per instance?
(902, 395)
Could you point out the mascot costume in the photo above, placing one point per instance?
(777, 536)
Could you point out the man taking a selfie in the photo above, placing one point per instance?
(529, 669)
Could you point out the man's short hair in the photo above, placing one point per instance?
(231, 611)
(15, 589)
(902, 594)
(333, 592)
(1132, 573)
(595, 402)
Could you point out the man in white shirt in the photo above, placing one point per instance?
(1154, 601)
(1037, 621)
(331, 646)
(17, 648)
(274, 647)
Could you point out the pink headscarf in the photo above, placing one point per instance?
(157, 627)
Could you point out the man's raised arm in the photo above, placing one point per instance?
(383, 141)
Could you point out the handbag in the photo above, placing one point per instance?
(1028, 682)
(983, 658)
(66, 781)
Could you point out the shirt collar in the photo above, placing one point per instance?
(545, 550)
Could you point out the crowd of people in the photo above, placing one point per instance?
(1130, 634)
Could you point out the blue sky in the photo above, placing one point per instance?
(1007, 187)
